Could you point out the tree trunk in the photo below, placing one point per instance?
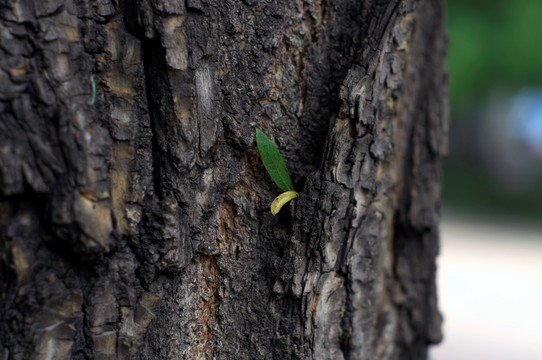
(135, 222)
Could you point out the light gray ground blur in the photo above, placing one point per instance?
(490, 290)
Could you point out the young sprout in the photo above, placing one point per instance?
(274, 164)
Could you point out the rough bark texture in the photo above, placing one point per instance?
(138, 227)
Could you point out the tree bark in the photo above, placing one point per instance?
(135, 224)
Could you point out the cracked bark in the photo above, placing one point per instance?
(139, 227)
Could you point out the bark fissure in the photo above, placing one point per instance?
(155, 81)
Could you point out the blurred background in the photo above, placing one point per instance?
(490, 267)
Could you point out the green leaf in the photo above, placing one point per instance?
(273, 162)
(282, 199)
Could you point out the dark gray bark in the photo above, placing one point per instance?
(138, 227)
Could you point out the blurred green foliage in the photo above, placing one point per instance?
(469, 188)
(494, 44)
